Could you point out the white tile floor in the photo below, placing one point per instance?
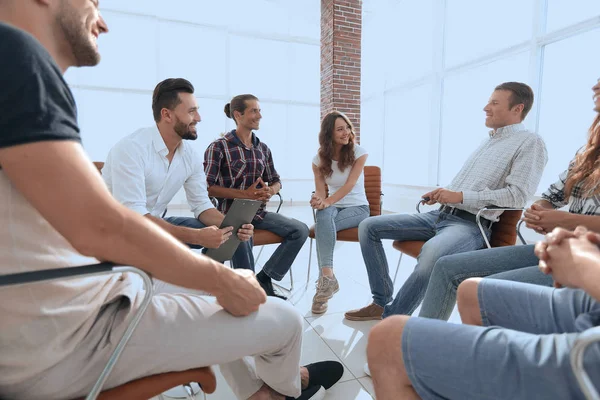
(330, 336)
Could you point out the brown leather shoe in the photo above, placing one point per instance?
(368, 313)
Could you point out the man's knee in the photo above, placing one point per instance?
(300, 231)
(385, 342)
(468, 301)
(366, 229)
(285, 318)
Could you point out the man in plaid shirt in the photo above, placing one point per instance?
(239, 165)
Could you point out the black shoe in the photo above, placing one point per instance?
(324, 373)
(310, 393)
(269, 290)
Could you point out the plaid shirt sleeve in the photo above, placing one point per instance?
(212, 163)
(270, 175)
(556, 192)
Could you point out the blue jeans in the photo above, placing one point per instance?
(521, 352)
(516, 263)
(241, 255)
(294, 234)
(444, 233)
(331, 220)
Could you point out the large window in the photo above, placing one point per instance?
(270, 48)
(478, 28)
(571, 68)
(429, 68)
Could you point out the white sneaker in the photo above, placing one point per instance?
(366, 369)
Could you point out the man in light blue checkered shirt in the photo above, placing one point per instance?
(503, 171)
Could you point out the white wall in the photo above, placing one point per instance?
(429, 67)
(270, 48)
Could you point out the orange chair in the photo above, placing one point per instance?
(374, 196)
(504, 233)
(139, 389)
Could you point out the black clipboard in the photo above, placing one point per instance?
(241, 212)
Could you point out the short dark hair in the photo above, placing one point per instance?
(166, 95)
(238, 103)
(520, 94)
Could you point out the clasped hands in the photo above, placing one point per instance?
(543, 220)
(318, 203)
(264, 193)
(566, 255)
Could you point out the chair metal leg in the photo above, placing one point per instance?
(397, 268)
(291, 288)
(309, 261)
(589, 337)
(189, 391)
(259, 253)
(149, 291)
(523, 241)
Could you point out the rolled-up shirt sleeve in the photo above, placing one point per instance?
(212, 164)
(556, 192)
(126, 181)
(196, 190)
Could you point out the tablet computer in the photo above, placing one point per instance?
(241, 212)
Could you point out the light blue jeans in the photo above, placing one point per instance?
(520, 353)
(445, 234)
(331, 220)
(515, 263)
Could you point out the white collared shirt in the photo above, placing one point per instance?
(505, 171)
(139, 176)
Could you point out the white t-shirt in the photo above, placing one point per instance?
(357, 196)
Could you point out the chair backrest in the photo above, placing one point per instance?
(373, 188)
(504, 232)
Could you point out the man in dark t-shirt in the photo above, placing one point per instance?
(56, 211)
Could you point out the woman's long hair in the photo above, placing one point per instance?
(326, 146)
(586, 166)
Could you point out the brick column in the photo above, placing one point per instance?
(341, 26)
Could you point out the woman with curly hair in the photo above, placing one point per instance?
(340, 200)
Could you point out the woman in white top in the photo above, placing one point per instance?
(340, 198)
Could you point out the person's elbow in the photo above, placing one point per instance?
(96, 235)
(520, 196)
(212, 190)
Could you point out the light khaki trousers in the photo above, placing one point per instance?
(182, 329)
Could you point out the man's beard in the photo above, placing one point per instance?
(184, 131)
(83, 49)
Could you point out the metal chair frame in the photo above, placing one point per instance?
(104, 268)
(478, 217)
(587, 338)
